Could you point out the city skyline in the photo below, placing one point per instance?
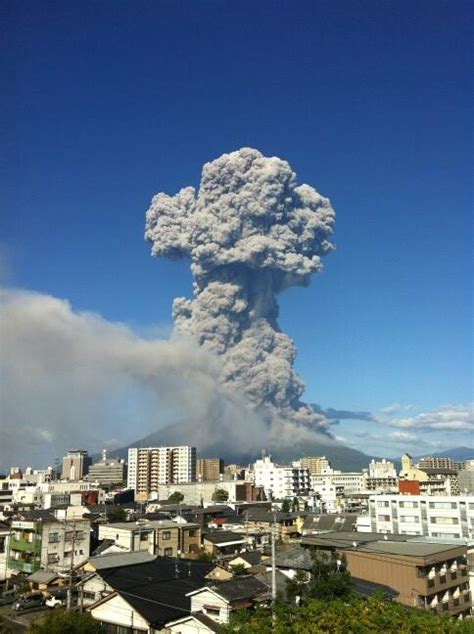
(103, 112)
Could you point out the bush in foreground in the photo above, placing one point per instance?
(345, 616)
(67, 623)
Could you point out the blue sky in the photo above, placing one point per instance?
(106, 103)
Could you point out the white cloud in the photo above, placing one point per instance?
(449, 418)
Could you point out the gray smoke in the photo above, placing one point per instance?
(250, 232)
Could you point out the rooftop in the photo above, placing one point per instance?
(158, 589)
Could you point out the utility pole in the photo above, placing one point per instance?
(274, 592)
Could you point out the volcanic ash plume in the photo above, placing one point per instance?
(250, 233)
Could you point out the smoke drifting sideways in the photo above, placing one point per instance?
(73, 379)
(250, 232)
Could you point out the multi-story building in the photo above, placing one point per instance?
(466, 478)
(76, 464)
(4, 537)
(281, 481)
(150, 467)
(209, 469)
(434, 516)
(39, 541)
(381, 476)
(316, 465)
(427, 576)
(163, 538)
(347, 482)
(110, 471)
(436, 463)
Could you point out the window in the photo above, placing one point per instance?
(53, 538)
(166, 535)
(68, 536)
(383, 518)
(168, 552)
(382, 504)
(53, 558)
(192, 532)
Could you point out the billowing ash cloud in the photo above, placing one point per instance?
(73, 379)
(250, 232)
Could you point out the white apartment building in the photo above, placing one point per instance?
(350, 482)
(382, 469)
(153, 466)
(281, 481)
(434, 516)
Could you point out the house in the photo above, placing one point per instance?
(164, 538)
(219, 600)
(289, 562)
(219, 573)
(197, 623)
(146, 596)
(222, 543)
(41, 580)
(262, 519)
(246, 559)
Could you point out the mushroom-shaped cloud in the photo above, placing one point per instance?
(250, 232)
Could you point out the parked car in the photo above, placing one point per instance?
(56, 599)
(31, 601)
(54, 602)
(7, 600)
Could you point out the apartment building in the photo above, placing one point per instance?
(345, 482)
(281, 481)
(150, 467)
(436, 463)
(434, 516)
(427, 576)
(39, 541)
(209, 469)
(316, 465)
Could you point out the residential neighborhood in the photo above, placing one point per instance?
(151, 559)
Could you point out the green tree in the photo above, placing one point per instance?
(67, 623)
(176, 498)
(329, 577)
(350, 615)
(238, 570)
(285, 507)
(220, 495)
(116, 514)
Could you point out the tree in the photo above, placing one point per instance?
(116, 514)
(341, 616)
(220, 495)
(329, 577)
(238, 570)
(176, 498)
(285, 507)
(67, 623)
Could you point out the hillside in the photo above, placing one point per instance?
(340, 456)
